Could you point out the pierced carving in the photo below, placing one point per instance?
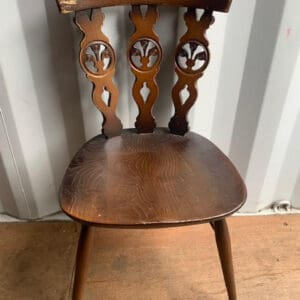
(184, 94)
(191, 59)
(145, 91)
(97, 59)
(144, 54)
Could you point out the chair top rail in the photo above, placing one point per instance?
(69, 6)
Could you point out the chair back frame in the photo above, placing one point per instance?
(97, 58)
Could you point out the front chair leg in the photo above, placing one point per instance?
(83, 250)
(224, 249)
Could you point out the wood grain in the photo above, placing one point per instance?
(158, 178)
(144, 55)
(68, 6)
(182, 262)
(97, 59)
(164, 264)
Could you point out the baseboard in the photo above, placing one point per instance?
(60, 216)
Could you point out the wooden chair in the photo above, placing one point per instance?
(148, 176)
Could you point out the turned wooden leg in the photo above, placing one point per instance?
(224, 249)
(83, 250)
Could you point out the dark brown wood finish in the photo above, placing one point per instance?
(68, 6)
(157, 178)
(191, 59)
(97, 59)
(81, 265)
(144, 54)
(224, 249)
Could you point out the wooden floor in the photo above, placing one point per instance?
(36, 261)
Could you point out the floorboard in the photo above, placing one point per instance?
(36, 261)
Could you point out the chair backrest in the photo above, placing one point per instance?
(97, 58)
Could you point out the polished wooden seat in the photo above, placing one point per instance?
(153, 178)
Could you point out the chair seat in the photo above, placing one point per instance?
(153, 178)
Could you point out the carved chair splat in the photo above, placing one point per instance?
(191, 59)
(144, 57)
(97, 59)
(161, 177)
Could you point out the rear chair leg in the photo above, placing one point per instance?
(224, 249)
(84, 245)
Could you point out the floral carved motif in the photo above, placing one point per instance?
(144, 54)
(98, 58)
(192, 57)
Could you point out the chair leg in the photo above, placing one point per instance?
(83, 250)
(224, 249)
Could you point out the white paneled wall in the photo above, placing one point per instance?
(249, 100)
